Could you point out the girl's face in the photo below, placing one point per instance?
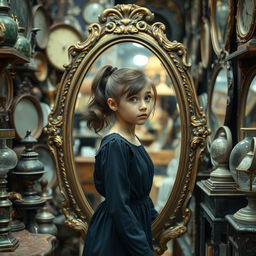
(135, 109)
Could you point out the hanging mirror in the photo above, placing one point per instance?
(222, 23)
(126, 29)
(220, 85)
(247, 110)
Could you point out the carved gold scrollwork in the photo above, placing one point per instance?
(126, 15)
(158, 29)
(200, 131)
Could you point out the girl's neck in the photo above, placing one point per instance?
(127, 133)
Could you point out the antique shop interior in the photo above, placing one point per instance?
(201, 56)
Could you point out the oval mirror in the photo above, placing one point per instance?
(250, 115)
(246, 112)
(221, 22)
(127, 28)
(221, 82)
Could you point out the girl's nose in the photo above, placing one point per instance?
(143, 105)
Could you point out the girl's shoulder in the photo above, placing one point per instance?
(117, 139)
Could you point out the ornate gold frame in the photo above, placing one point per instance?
(128, 23)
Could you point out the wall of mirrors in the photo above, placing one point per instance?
(124, 36)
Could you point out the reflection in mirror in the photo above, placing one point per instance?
(160, 134)
(250, 106)
(219, 101)
(222, 15)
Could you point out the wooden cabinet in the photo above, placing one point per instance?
(85, 169)
(212, 222)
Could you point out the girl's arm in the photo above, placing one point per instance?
(154, 212)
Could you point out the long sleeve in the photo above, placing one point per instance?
(154, 212)
(117, 189)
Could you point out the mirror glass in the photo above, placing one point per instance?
(160, 134)
(250, 106)
(219, 100)
(222, 14)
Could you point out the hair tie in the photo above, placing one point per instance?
(110, 72)
(106, 75)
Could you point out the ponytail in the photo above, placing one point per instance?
(98, 111)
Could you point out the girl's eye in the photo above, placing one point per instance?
(148, 97)
(133, 99)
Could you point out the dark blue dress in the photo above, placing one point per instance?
(121, 225)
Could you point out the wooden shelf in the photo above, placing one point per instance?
(11, 55)
(246, 51)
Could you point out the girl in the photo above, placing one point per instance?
(121, 225)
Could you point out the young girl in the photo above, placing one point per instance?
(121, 225)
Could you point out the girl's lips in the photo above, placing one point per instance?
(143, 115)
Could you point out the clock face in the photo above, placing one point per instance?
(91, 11)
(41, 21)
(246, 16)
(61, 37)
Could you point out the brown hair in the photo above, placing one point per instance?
(111, 82)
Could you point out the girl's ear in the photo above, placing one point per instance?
(112, 104)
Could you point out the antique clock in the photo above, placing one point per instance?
(246, 19)
(61, 37)
(222, 23)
